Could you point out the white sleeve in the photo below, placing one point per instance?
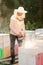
(12, 17)
(13, 26)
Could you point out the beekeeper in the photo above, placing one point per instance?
(17, 29)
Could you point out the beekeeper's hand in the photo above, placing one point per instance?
(19, 34)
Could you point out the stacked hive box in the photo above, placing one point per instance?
(4, 46)
(1, 47)
(31, 53)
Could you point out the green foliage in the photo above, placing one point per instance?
(11, 3)
(30, 26)
(34, 17)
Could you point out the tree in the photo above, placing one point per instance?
(33, 7)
